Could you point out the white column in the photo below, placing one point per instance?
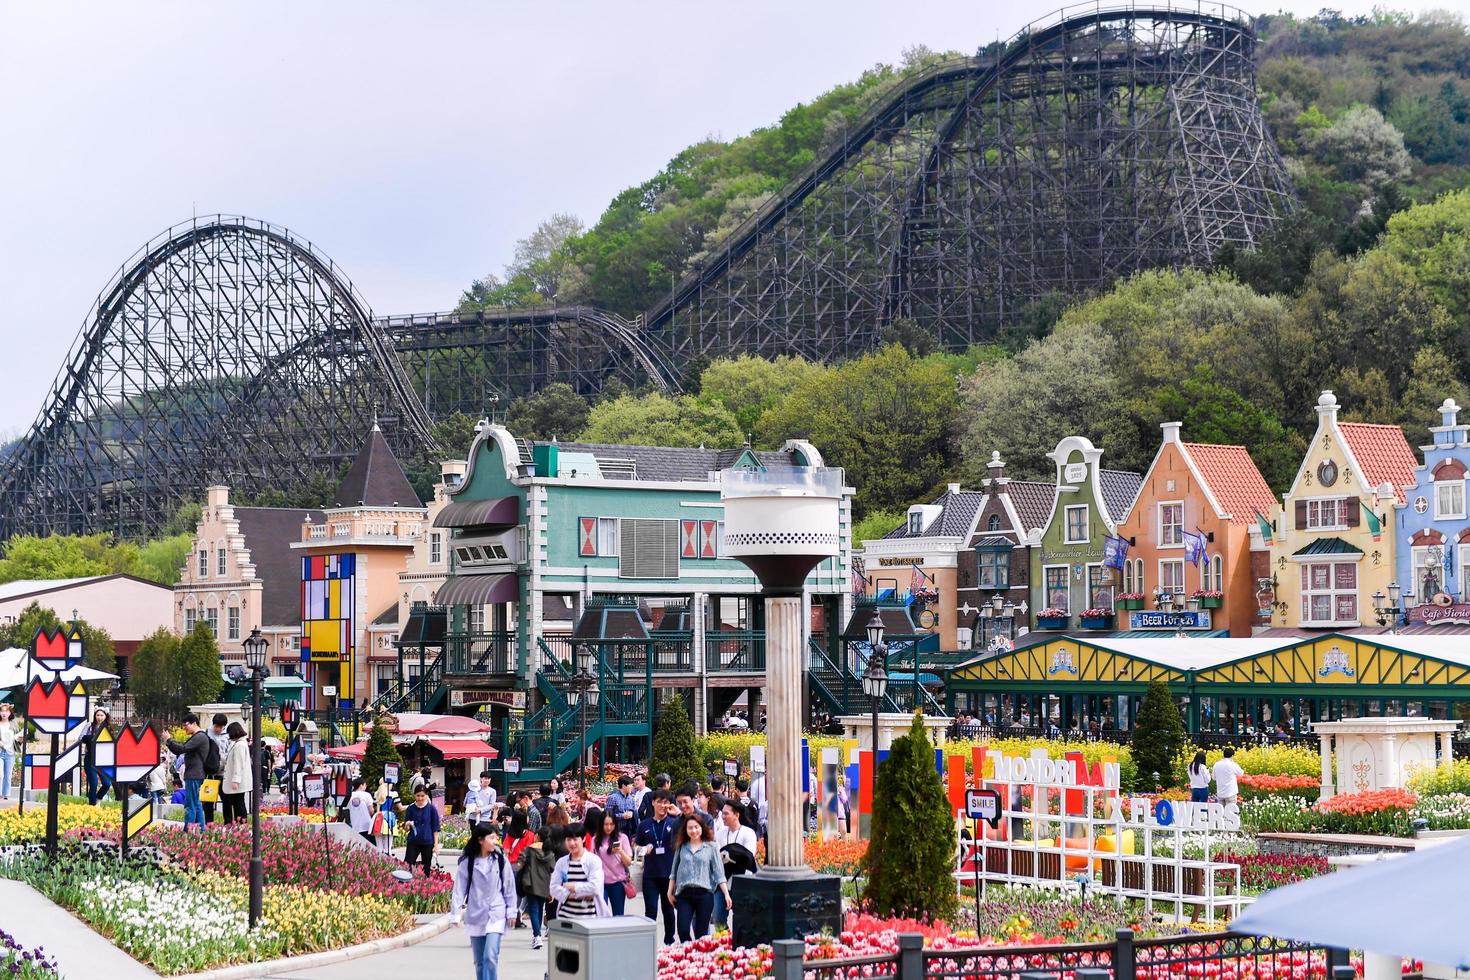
(783, 731)
(696, 650)
(1327, 789)
(1446, 748)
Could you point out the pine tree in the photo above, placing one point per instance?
(910, 861)
(380, 751)
(1158, 737)
(674, 751)
(198, 668)
(153, 674)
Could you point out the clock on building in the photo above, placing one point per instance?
(1327, 473)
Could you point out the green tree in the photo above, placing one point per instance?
(98, 650)
(154, 676)
(875, 524)
(749, 386)
(554, 412)
(674, 751)
(657, 420)
(909, 864)
(163, 559)
(379, 752)
(886, 418)
(200, 679)
(1158, 737)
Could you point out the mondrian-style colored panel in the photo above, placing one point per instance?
(328, 585)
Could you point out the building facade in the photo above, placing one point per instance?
(127, 607)
(1071, 588)
(995, 569)
(1193, 489)
(1333, 541)
(1431, 560)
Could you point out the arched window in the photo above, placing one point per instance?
(1217, 578)
(994, 523)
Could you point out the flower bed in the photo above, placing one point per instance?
(1256, 785)
(1262, 872)
(1386, 812)
(20, 963)
(834, 857)
(30, 827)
(1442, 780)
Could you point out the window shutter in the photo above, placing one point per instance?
(650, 549)
(1301, 514)
(1354, 511)
(688, 539)
(707, 539)
(587, 537)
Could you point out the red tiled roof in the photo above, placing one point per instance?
(1382, 452)
(1232, 477)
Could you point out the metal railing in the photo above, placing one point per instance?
(1125, 958)
(735, 651)
(480, 653)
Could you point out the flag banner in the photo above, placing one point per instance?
(1265, 528)
(1115, 551)
(1375, 526)
(916, 580)
(1194, 547)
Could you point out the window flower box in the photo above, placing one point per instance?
(1097, 619)
(1051, 619)
(1208, 600)
(1130, 600)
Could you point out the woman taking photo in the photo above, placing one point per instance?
(238, 778)
(698, 872)
(97, 782)
(615, 851)
(1199, 779)
(484, 897)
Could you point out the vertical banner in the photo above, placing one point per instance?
(977, 753)
(865, 778)
(957, 783)
(806, 767)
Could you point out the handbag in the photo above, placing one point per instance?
(629, 889)
(209, 791)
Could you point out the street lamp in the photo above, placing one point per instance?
(875, 685)
(255, 647)
(1387, 607)
(579, 692)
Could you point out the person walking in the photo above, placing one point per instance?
(238, 779)
(384, 820)
(656, 837)
(97, 782)
(533, 871)
(615, 851)
(623, 807)
(214, 763)
(479, 800)
(193, 750)
(423, 830)
(360, 807)
(576, 882)
(484, 897)
(9, 739)
(697, 875)
(661, 784)
(1227, 772)
(1199, 779)
(737, 844)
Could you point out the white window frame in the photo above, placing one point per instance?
(609, 537)
(1214, 574)
(211, 616)
(916, 523)
(232, 623)
(1333, 592)
(1178, 529)
(221, 561)
(1046, 600)
(1140, 585)
(1164, 580)
(719, 539)
(436, 547)
(1128, 576)
(191, 616)
(1456, 485)
(1067, 524)
(204, 562)
(1314, 513)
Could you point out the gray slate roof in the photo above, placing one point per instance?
(268, 533)
(1118, 489)
(1032, 501)
(954, 520)
(375, 479)
(659, 463)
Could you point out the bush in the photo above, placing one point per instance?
(674, 751)
(1158, 739)
(909, 865)
(1442, 780)
(379, 752)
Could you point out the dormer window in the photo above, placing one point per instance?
(994, 523)
(916, 522)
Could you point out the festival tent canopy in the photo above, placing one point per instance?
(1405, 906)
(13, 670)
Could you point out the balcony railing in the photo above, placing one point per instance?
(735, 651)
(480, 653)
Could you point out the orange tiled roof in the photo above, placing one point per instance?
(1382, 452)
(1232, 477)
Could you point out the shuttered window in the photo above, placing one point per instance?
(649, 549)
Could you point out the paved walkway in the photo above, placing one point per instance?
(34, 920)
(447, 955)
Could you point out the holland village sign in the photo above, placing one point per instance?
(1063, 821)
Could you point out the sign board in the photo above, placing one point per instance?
(757, 758)
(1433, 612)
(391, 773)
(465, 698)
(897, 560)
(512, 766)
(329, 691)
(1075, 472)
(983, 804)
(732, 768)
(1144, 619)
(314, 787)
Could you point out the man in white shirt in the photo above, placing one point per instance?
(1226, 772)
(360, 809)
(640, 790)
(479, 802)
(732, 831)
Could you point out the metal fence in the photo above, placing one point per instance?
(1125, 958)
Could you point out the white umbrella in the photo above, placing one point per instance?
(13, 670)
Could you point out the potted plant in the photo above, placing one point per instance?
(1097, 618)
(1051, 618)
(1208, 599)
(1130, 600)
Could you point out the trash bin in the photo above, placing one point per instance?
(623, 947)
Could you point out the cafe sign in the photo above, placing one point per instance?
(1431, 612)
(464, 698)
(1144, 619)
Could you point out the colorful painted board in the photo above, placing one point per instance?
(328, 616)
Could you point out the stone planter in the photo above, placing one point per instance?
(1051, 622)
(1127, 605)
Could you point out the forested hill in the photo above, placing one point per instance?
(1356, 104)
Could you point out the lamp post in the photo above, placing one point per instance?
(782, 523)
(1387, 607)
(579, 689)
(875, 685)
(255, 647)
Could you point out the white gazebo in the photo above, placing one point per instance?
(1381, 753)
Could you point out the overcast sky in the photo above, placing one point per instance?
(412, 142)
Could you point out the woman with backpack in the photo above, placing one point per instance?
(533, 876)
(484, 898)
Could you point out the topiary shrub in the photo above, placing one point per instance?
(1157, 738)
(379, 752)
(674, 749)
(909, 863)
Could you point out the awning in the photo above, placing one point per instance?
(897, 623)
(495, 512)
(1327, 547)
(425, 627)
(354, 751)
(995, 542)
(1163, 634)
(463, 748)
(478, 590)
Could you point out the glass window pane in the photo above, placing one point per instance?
(1321, 576)
(1347, 575)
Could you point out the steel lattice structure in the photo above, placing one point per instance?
(225, 350)
(1099, 141)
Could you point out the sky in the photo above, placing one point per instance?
(412, 142)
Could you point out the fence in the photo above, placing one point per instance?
(1208, 956)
